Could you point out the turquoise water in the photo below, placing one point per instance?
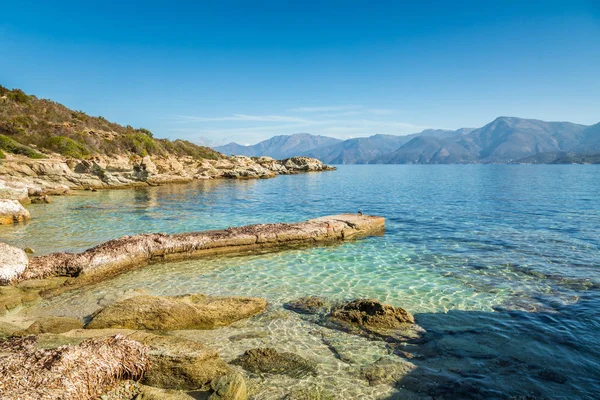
(500, 264)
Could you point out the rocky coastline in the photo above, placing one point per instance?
(24, 180)
(125, 350)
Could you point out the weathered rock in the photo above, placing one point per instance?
(372, 314)
(374, 319)
(386, 371)
(121, 254)
(13, 262)
(152, 393)
(229, 387)
(8, 329)
(309, 393)
(366, 317)
(308, 305)
(45, 199)
(176, 312)
(178, 363)
(11, 211)
(12, 297)
(51, 175)
(269, 360)
(53, 325)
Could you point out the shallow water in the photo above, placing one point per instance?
(500, 264)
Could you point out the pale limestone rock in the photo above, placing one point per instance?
(11, 211)
(13, 262)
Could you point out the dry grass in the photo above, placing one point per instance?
(68, 372)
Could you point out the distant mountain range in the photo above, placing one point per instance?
(504, 140)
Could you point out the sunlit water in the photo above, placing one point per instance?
(500, 264)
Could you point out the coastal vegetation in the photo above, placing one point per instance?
(37, 127)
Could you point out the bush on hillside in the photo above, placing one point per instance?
(66, 146)
(12, 146)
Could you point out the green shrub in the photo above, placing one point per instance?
(12, 146)
(66, 146)
(145, 132)
(140, 144)
(2, 155)
(18, 95)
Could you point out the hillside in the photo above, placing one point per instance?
(38, 127)
(282, 146)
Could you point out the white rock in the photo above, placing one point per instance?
(13, 262)
(12, 211)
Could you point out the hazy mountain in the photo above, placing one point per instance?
(508, 138)
(280, 147)
(427, 150)
(503, 140)
(590, 141)
(358, 150)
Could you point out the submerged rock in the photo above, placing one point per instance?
(269, 360)
(152, 393)
(53, 325)
(308, 305)
(229, 387)
(179, 363)
(310, 393)
(13, 262)
(11, 211)
(386, 371)
(372, 314)
(366, 317)
(194, 311)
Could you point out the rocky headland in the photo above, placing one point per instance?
(48, 149)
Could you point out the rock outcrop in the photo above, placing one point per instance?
(178, 363)
(195, 311)
(52, 325)
(13, 262)
(11, 211)
(122, 254)
(372, 314)
(268, 360)
(365, 317)
(50, 174)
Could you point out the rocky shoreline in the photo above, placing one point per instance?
(125, 351)
(24, 180)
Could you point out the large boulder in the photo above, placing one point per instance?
(373, 319)
(13, 262)
(194, 311)
(365, 317)
(179, 363)
(370, 313)
(268, 360)
(11, 211)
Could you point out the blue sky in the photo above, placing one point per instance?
(220, 71)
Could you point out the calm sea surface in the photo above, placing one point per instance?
(500, 265)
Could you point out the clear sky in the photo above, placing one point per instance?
(220, 71)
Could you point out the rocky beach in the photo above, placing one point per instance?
(125, 350)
